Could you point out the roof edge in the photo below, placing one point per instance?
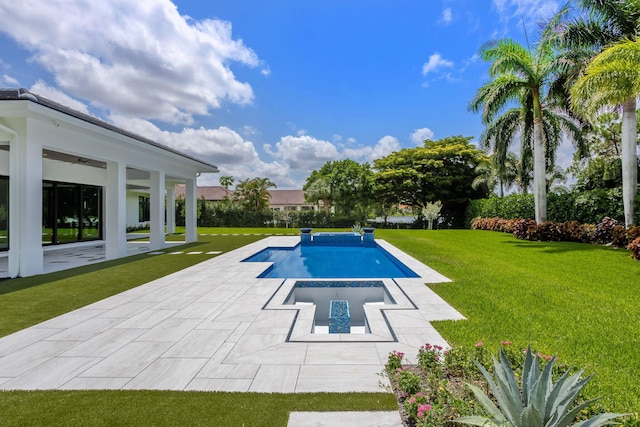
(23, 94)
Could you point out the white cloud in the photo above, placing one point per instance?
(139, 58)
(419, 135)
(436, 61)
(532, 11)
(43, 89)
(223, 147)
(446, 16)
(386, 145)
(303, 152)
(8, 80)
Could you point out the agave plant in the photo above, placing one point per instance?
(537, 402)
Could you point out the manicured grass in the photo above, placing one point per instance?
(170, 408)
(577, 300)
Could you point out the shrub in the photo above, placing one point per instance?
(523, 228)
(408, 381)
(604, 230)
(634, 247)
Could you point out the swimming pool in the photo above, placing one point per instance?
(339, 262)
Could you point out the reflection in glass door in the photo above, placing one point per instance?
(91, 213)
(68, 214)
(71, 212)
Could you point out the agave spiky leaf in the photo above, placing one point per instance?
(477, 420)
(599, 420)
(530, 417)
(497, 418)
(528, 374)
(510, 407)
(541, 389)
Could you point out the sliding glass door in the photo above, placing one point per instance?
(71, 212)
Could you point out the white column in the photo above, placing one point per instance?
(156, 196)
(14, 201)
(190, 215)
(115, 211)
(29, 184)
(171, 209)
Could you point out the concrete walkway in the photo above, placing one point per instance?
(216, 327)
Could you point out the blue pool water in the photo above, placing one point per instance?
(331, 262)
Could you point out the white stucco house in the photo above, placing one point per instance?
(69, 178)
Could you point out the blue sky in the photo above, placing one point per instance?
(266, 88)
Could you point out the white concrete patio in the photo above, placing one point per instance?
(205, 328)
(63, 257)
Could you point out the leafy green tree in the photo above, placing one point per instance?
(529, 78)
(612, 79)
(346, 184)
(253, 194)
(440, 170)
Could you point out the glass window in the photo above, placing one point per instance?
(4, 213)
(144, 209)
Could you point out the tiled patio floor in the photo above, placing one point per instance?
(204, 328)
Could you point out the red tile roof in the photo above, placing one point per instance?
(278, 197)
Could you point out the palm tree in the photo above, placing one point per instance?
(319, 190)
(226, 182)
(612, 78)
(609, 22)
(254, 194)
(494, 173)
(528, 78)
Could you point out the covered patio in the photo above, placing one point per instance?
(67, 178)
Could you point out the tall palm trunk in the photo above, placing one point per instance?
(629, 159)
(539, 172)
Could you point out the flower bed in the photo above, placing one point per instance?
(434, 391)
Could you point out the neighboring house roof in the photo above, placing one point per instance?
(278, 197)
(287, 197)
(25, 95)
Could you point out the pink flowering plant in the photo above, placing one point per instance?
(395, 361)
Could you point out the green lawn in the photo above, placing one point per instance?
(579, 301)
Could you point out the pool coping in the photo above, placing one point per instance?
(204, 329)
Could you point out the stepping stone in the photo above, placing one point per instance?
(214, 252)
(155, 253)
(194, 253)
(175, 253)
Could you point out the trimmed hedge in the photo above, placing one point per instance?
(606, 232)
(586, 207)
